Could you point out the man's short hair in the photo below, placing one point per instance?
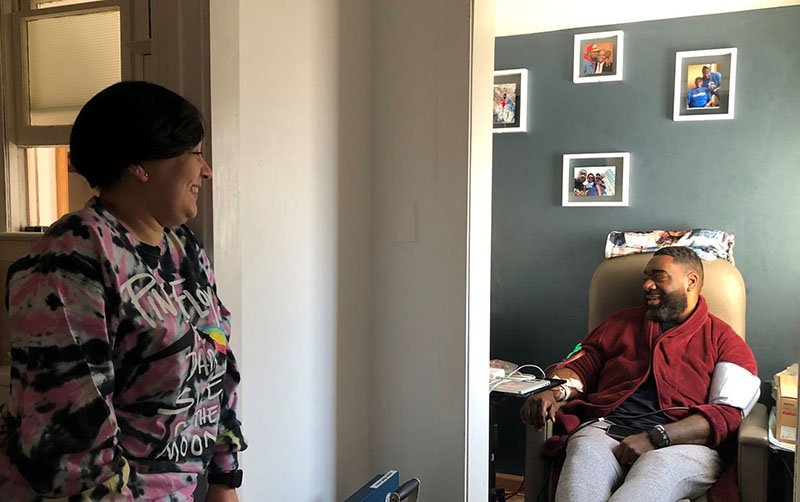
(684, 256)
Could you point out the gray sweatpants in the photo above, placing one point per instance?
(591, 472)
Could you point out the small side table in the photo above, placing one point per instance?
(497, 494)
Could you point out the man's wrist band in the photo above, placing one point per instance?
(571, 384)
(231, 479)
(561, 393)
(659, 437)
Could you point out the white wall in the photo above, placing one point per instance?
(290, 107)
(341, 199)
(354, 128)
(515, 17)
(421, 179)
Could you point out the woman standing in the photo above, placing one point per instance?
(123, 385)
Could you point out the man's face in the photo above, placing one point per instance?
(582, 176)
(697, 82)
(594, 55)
(665, 284)
(706, 72)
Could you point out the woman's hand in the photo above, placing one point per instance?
(221, 493)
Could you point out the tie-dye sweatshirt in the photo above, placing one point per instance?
(123, 386)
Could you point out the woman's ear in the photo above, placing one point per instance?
(138, 173)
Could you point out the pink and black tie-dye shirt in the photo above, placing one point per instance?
(123, 386)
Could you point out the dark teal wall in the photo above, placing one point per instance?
(741, 176)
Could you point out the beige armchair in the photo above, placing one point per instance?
(616, 284)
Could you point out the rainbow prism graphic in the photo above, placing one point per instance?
(217, 335)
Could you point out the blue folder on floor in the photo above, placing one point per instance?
(376, 488)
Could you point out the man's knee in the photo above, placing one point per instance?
(685, 459)
(657, 460)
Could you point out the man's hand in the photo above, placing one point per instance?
(632, 447)
(221, 493)
(539, 408)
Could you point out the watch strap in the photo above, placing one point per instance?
(659, 437)
(232, 479)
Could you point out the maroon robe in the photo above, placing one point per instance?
(617, 356)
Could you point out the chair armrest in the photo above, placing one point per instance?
(535, 465)
(753, 455)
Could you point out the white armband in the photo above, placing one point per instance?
(563, 391)
(734, 386)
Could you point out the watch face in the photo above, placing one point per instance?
(655, 437)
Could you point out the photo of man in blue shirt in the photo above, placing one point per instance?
(699, 97)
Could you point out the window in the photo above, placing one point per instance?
(56, 55)
(54, 188)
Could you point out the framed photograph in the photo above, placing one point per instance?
(510, 101)
(705, 84)
(598, 57)
(596, 179)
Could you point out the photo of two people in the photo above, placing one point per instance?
(704, 82)
(598, 57)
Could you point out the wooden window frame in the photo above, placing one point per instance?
(16, 133)
(26, 134)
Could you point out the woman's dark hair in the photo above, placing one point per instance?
(129, 123)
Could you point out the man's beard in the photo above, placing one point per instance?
(671, 306)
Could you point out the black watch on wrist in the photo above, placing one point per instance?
(232, 479)
(659, 437)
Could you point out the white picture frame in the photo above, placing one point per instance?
(614, 168)
(510, 116)
(609, 46)
(719, 87)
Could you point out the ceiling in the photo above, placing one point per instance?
(516, 17)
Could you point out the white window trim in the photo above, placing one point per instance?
(13, 139)
(26, 134)
(181, 64)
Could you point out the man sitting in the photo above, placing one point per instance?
(699, 97)
(660, 356)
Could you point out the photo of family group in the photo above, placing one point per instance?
(705, 84)
(594, 181)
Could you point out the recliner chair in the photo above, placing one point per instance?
(616, 284)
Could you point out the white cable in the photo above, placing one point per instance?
(526, 378)
(499, 383)
(528, 366)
